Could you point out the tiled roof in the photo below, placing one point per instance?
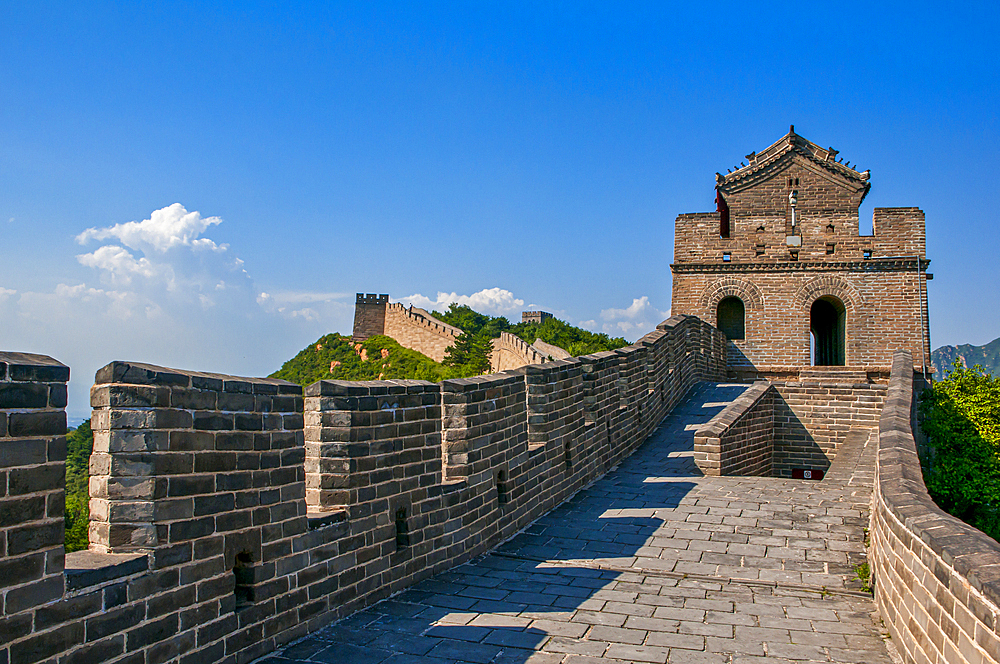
(791, 144)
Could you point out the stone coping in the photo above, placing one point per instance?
(32, 367)
(971, 553)
(90, 568)
(138, 373)
(356, 388)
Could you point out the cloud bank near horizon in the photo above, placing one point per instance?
(493, 301)
(639, 317)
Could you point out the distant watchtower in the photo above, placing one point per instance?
(535, 316)
(781, 269)
(369, 315)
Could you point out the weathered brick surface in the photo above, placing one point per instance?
(511, 352)
(416, 329)
(780, 426)
(936, 580)
(369, 315)
(232, 515)
(32, 471)
(880, 279)
(813, 415)
(740, 439)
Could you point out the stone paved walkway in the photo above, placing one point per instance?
(652, 563)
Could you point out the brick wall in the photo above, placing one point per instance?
(781, 425)
(936, 582)
(225, 523)
(417, 330)
(510, 352)
(32, 468)
(740, 439)
(813, 415)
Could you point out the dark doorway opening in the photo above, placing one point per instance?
(827, 321)
(731, 318)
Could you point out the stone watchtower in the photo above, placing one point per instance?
(781, 268)
(369, 315)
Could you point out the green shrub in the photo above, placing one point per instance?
(961, 418)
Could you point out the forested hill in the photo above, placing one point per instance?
(574, 340)
(987, 356)
(336, 357)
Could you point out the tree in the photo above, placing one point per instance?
(470, 352)
(79, 445)
(961, 417)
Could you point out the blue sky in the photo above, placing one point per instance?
(277, 160)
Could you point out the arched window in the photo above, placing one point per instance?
(827, 321)
(731, 318)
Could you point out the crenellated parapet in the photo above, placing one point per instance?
(181, 455)
(231, 515)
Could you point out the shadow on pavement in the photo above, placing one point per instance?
(545, 585)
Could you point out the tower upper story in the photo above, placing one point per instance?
(794, 201)
(781, 267)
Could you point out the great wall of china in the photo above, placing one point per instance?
(418, 330)
(231, 516)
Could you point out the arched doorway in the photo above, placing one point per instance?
(827, 321)
(730, 317)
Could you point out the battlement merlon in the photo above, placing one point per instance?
(372, 298)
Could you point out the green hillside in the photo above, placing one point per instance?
(335, 357)
(986, 356)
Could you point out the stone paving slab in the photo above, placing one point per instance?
(652, 563)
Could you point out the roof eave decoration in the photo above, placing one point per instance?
(783, 150)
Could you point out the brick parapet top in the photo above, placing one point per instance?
(29, 367)
(345, 388)
(901, 488)
(673, 321)
(137, 373)
(531, 354)
(488, 381)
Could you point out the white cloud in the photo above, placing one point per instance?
(159, 291)
(496, 301)
(165, 229)
(118, 263)
(638, 318)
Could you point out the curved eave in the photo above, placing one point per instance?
(762, 165)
